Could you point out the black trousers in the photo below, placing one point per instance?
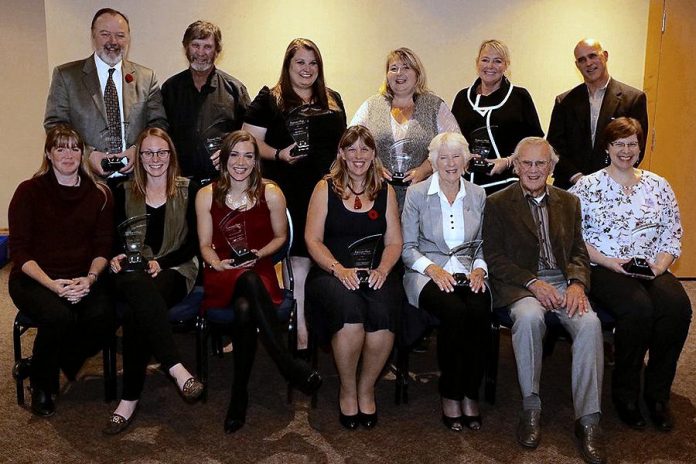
(146, 330)
(651, 315)
(67, 334)
(254, 310)
(463, 337)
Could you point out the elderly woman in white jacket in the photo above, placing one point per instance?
(445, 274)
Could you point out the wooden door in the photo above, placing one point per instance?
(670, 83)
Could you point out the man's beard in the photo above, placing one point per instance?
(108, 56)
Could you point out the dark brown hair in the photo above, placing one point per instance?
(256, 185)
(112, 12)
(623, 127)
(202, 30)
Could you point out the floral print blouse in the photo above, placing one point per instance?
(623, 223)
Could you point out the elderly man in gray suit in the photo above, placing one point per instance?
(106, 98)
(538, 262)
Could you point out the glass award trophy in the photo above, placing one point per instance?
(212, 144)
(400, 161)
(298, 127)
(233, 228)
(363, 254)
(642, 238)
(132, 232)
(112, 146)
(482, 148)
(465, 254)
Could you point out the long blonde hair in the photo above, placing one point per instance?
(339, 175)
(408, 57)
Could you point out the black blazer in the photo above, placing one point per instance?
(569, 130)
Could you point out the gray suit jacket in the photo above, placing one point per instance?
(511, 243)
(421, 223)
(75, 98)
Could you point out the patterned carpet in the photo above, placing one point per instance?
(167, 430)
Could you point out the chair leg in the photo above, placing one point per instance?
(109, 358)
(202, 354)
(401, 366)
(492, 365)
(17, 343)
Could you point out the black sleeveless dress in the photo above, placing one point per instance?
(331, 305)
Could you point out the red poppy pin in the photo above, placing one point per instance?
(372, 214)
(129, 78)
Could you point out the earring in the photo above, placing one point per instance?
(606, 158)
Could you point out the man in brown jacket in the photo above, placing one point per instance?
(537, 262)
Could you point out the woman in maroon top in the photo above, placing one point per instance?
(250, 287)
(61, 222)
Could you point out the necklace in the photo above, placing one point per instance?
(357, 204)
(77, 181)
(236, 204)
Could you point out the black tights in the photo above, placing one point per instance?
(255, 310)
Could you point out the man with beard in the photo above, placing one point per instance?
(584, 111)
(106, 98)
(203, 103)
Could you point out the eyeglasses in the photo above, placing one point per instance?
(622, 145)
(162, 154)
(538, 164)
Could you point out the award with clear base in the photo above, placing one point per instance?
(641, 239)
(233, 228)
(400, 161)
(111, 141)
(480, 145)
(132, 232)
(465, 254)
(213, 144)
(363, 254)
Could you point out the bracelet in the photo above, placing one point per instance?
(333, 268)
(93, 274)
(277, 154)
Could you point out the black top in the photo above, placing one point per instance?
(514, 120)
(343, 226)
(155, 228)
(194, 116)
(297, 181)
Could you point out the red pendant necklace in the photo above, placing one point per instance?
(357, 204)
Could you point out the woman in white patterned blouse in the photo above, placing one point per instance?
(628, 213)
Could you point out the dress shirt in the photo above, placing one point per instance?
(596, 100)
(452, 229)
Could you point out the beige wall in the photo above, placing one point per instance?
(354, 37)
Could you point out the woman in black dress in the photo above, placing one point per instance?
(494, 116)
(351, 203)
(298, 123)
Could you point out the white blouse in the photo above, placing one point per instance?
(622, 223)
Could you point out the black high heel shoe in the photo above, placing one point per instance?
(236, 412)
(472, 422)
(367, 420)
(453, 423)
(349, 422)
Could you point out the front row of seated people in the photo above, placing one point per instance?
(540, 253)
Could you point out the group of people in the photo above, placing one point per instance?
(456, 204)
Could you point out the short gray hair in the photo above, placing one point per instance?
(535, 141)
(452, 140)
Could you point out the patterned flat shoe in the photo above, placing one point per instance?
(117, 424)
(192, 389)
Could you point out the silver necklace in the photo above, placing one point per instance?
(240, 203)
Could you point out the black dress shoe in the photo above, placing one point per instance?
(529, 428)
(310, 384)
(472, 422)
(453, 423)
(42, 404)
(660, 415)
(22, 369)
(236, 412)
(590, 441)
(367, 420)
(349, 422)
(629, 413)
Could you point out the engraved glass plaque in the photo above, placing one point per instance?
(641, 239)
(233, 227)
(482, 148)
(363, 254)
(132, 232)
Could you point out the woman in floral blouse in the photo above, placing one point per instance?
(628, 212)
